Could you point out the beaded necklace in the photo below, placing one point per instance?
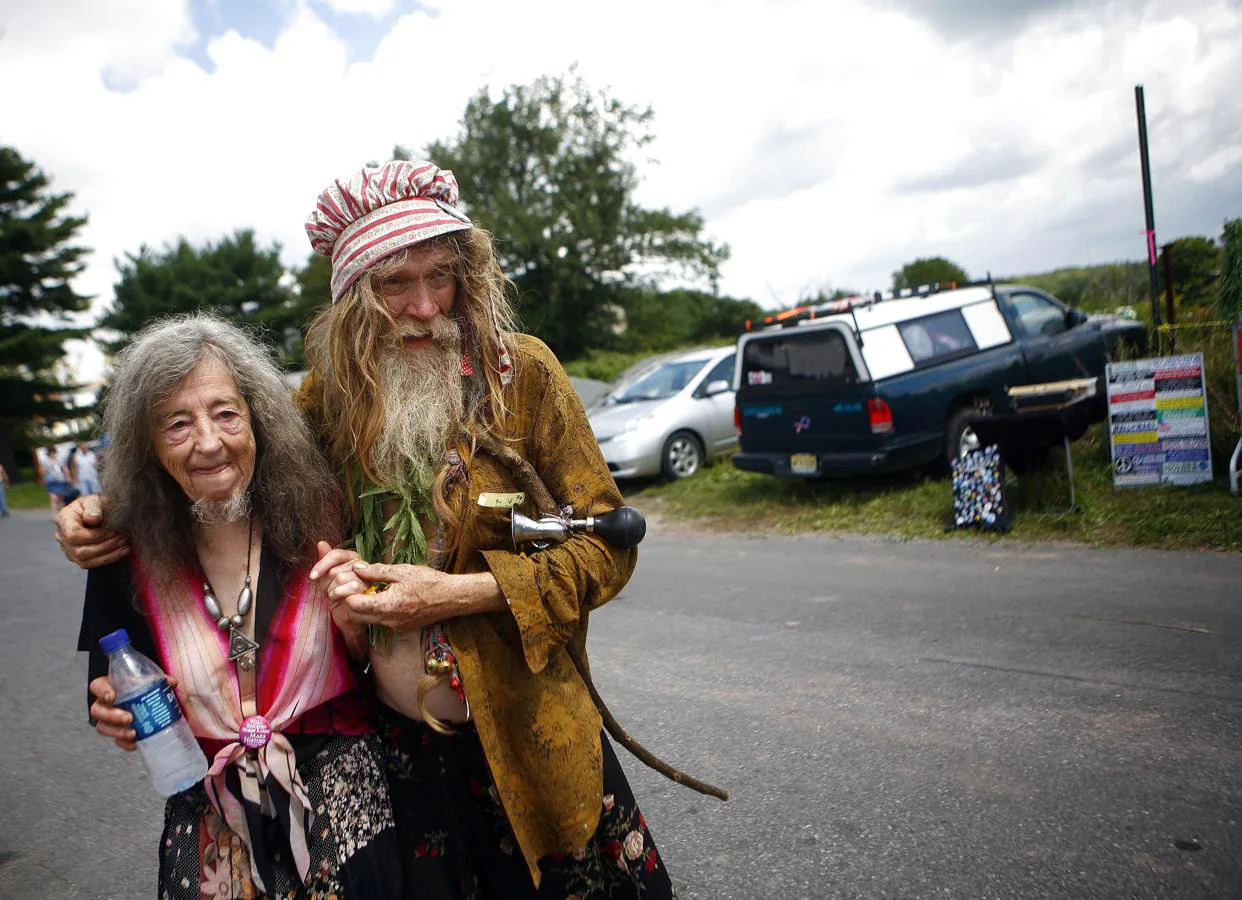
(242, 648)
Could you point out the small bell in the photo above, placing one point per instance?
(438, 665)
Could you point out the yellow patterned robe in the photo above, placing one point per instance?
(537, 723)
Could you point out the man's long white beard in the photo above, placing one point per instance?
(222, 512)
(422, 394)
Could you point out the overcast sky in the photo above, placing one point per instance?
(826, 141)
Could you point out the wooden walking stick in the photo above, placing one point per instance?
(529, 479)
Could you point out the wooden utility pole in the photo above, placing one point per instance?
(1145, 162)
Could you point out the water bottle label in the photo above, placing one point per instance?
(153, 710)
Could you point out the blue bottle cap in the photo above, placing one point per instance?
(110, 643)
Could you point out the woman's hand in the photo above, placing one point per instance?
(82, 539)
(336, 569)
(335, 574)
(112, 722)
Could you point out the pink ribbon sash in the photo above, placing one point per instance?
(302, 664)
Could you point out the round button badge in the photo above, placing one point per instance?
(255, 732)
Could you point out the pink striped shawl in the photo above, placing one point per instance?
(303, 663)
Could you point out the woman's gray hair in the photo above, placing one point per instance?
(293, 491)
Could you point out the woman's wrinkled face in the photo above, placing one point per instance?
(202, 435)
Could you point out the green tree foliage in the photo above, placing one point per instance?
(656, 321)
(39, 256)
(546, 168)
(934, 270)
(826, 295)
(1194, 264)
(315, 283)
(1095, 288)
(235, 278)
(1229, 288)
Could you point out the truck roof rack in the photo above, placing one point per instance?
(790, 317)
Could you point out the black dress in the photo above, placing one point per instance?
(457, 843)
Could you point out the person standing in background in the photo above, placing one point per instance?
(4, 497)
(84, 469)
(55, 478)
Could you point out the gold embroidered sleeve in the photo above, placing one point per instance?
(550, 590)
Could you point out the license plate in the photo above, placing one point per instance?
(803, 463)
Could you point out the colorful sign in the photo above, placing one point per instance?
(1158, 421)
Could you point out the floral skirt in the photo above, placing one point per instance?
(354, 851)
(457, 843)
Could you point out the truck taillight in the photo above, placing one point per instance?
(737, 419)
(880, 416)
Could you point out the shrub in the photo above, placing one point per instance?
(1229, 288)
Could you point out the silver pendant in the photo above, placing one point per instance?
(241, 649)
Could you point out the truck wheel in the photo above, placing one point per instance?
(682, 456)
(959, 437)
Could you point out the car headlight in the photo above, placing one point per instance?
(632, 425)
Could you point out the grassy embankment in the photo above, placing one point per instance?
(27, 494)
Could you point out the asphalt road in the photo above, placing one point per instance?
(894, 720)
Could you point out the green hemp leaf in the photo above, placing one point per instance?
(396, 540)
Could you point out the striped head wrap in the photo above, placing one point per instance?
(375, 212)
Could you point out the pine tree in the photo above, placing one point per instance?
(235, 278)
(38, 260)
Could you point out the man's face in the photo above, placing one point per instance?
(420, 295)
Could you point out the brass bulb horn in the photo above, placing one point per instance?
(624, 527)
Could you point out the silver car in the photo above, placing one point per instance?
(669, 417)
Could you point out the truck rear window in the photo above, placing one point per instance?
(808, 357)
(937, 336)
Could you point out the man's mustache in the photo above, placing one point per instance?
(441, 329)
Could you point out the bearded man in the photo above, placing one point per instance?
(439, 418)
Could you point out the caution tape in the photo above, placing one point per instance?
(1180, 325)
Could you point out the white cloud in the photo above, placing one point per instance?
(83, 39)
(376, 8)
(826, 143)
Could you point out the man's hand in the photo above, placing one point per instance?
(82, 539)
(112, 722)
(417, 595)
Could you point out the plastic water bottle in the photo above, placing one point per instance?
(174, 759)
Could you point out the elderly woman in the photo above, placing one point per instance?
(219, 490)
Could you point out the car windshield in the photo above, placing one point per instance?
(660, 383)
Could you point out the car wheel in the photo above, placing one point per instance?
(959, 437)
(683, 455)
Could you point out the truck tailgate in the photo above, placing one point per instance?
(835, 422)
(800, 392)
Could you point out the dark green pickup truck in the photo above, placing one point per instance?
(882, 385)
